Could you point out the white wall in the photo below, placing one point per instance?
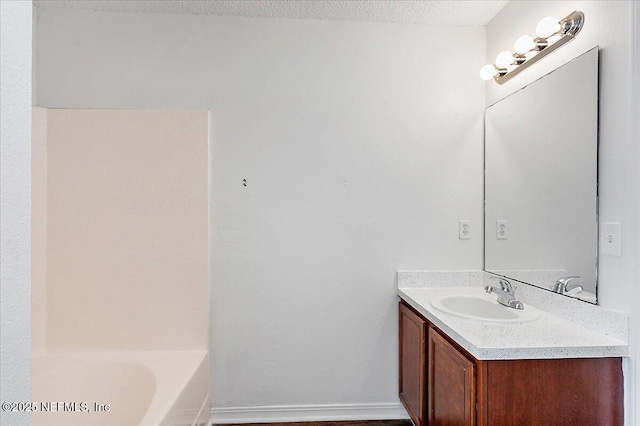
(361, 146)
(610, 25)
(634, 392)
(15, 205)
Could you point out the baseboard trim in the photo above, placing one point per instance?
(306, 413)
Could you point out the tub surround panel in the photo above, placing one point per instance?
(121, 296)
(127, 230)
(38, 231)
(550, 336)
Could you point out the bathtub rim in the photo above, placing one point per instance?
(172, 371)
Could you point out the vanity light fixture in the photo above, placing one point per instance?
(551, 33)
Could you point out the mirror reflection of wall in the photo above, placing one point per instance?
(541, 146)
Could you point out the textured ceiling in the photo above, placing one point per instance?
(447, 12)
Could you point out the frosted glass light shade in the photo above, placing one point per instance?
(553, 39)
(524, 44)
(547, 27)
(504, 59)
(487, 72)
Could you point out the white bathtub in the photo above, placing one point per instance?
(140, 388)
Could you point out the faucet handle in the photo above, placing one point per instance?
(566, 280)
(561, 286)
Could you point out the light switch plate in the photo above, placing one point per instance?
(610, 239)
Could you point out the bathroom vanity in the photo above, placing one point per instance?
(540, 356)
(542, 371)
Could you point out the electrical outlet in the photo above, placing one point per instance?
(464, 230)
(501, 230)
(610, 239)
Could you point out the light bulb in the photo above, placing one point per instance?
(504, 59)
(524, 44)
(547, 27)
(553, 39)
(487, 72)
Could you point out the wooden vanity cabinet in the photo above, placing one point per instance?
(413, 359)
(453, 388)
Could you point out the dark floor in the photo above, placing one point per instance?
(347, 423)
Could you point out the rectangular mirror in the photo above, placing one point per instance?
(541, 153)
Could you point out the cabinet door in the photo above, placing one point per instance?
(452, 387)
(412, 359)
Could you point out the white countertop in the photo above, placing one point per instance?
(549, 336)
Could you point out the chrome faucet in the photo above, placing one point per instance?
(561, 286)
(506, 293)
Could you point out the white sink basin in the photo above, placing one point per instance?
(483, 308)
